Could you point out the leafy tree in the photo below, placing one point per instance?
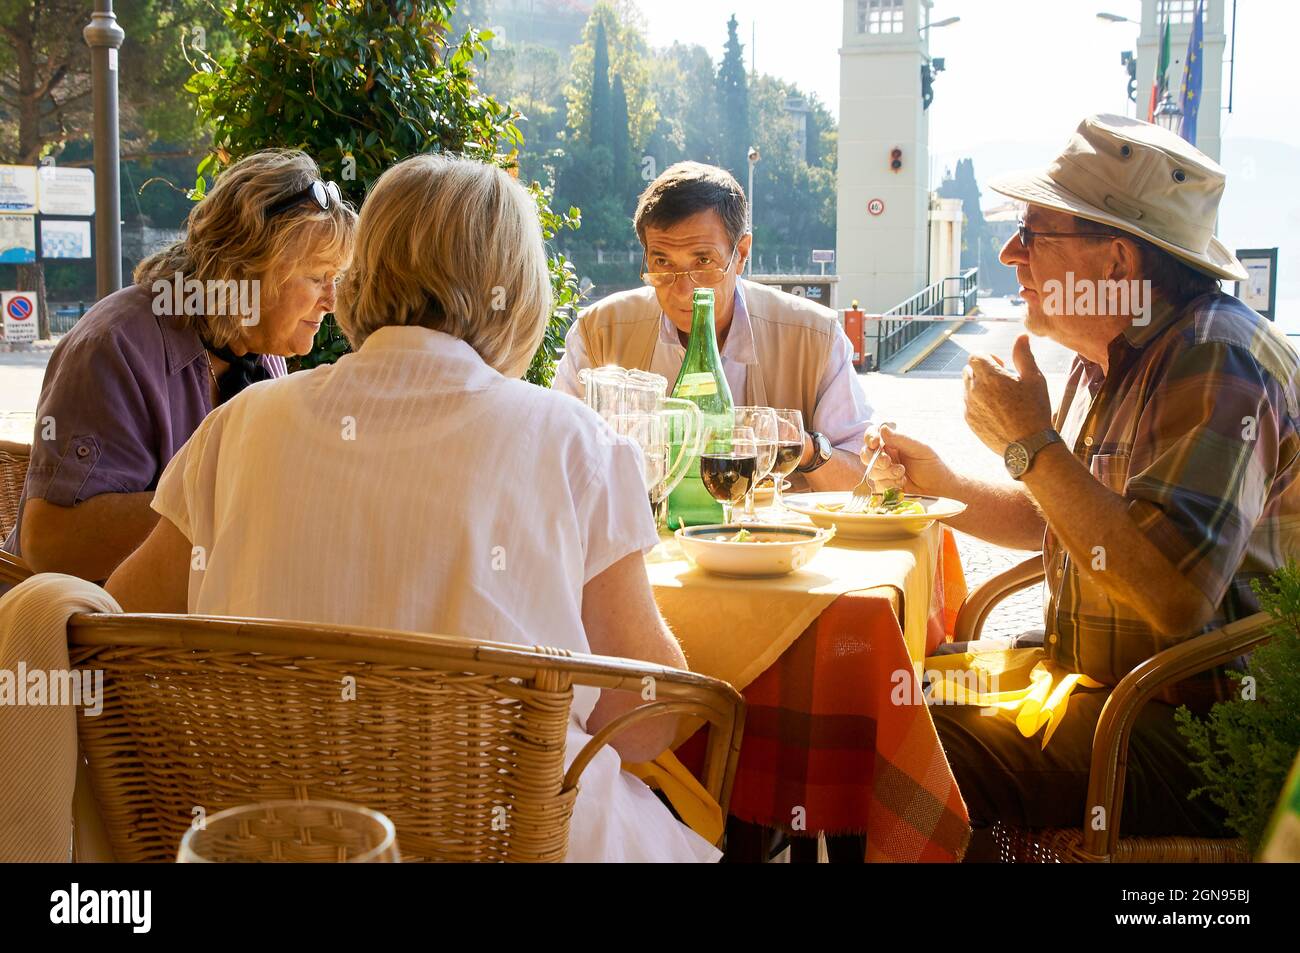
(685, 84)
(733, 102)
(360, 85)
(45, 75)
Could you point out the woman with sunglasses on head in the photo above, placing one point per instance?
(218, 310)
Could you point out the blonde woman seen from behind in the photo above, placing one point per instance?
(419, 484)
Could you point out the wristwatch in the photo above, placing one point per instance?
(1019, 456)
(821, 452)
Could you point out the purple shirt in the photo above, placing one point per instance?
(122, 393)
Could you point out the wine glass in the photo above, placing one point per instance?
(728, 465)
(647, 432)
(761, 420)
(789, 448)
(292, 832)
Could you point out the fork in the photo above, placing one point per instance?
(866, 488)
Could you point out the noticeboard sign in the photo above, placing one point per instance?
(18, 188)
(65, 238)
(1260, 291)
(64, 191)
(17, 239)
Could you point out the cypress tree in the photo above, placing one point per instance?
(602, 124)
(733, 99)
(622, 141)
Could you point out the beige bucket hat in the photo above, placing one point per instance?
(1138, 177)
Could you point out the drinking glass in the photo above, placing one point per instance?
(647, 431)
(728, 465)
(292, 832)
(789, 448)
(761, 420)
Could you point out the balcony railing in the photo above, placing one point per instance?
(897, 328)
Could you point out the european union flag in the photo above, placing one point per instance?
(1193, 76)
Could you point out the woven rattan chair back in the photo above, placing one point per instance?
(14, 458)
(461, 743)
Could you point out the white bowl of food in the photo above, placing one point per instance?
(891, 515)
(765, 492)
(753, 550)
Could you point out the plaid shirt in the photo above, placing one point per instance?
(1196, 427)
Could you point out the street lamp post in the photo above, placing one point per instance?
(104, 37)
(1169, 114)
(753, 161)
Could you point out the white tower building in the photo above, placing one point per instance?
(1181, 15)
(884, 196)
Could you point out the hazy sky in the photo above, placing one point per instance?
(1016, 69)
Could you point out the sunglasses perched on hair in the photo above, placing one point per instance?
(700, 278)
(1027, 234)
(325, 194)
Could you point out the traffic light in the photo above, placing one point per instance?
(896, 160)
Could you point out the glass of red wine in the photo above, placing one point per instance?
(789, 448)
(729, 467)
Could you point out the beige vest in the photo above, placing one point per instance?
(792, 342)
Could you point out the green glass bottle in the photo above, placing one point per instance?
(702, 382)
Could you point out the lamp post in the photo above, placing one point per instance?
(1169, 114)
(753, 161)
(104, 37)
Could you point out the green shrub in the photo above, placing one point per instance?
(1246, 746)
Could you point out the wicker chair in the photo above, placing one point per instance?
(460, 742)
(1110, 741)
(14, 458)
(12, 570)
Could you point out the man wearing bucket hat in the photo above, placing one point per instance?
(1161, 487)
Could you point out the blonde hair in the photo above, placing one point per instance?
(228, 235)
(454, 245)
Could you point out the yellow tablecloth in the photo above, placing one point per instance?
(739, 627)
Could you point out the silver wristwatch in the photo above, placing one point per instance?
(1019, 456)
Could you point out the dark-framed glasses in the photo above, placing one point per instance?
(1027, 234)
(325, 194)
(699, 278)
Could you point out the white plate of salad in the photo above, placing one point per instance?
(891, 515)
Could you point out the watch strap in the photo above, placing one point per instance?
(1038, 441)
(822, 452)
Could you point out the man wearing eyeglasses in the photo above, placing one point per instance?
(777, 349)
(1162, 486)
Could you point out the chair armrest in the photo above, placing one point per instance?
(676, 692)
(975, 610)
(13, 570)
(1119, 714)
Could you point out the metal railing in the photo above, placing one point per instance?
(894, 335)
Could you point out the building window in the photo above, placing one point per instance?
(1175, 12)
(880, 16)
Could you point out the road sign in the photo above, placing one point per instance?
(876, 206)
(19, 309)
(826, 257)
(66, 191)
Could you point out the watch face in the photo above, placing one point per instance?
(1017, 460)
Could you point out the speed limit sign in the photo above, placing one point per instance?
(876, 206)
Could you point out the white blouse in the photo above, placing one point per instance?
(410, 486)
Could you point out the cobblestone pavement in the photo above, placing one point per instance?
(928, 404)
